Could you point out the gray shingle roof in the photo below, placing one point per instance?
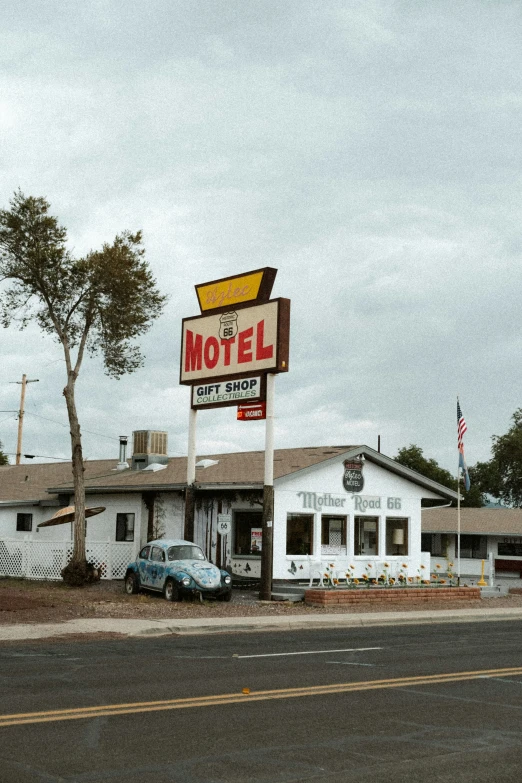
(32, 482)
(239, 469)
(495, 521)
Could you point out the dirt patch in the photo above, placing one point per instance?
(23, 601)
(20, 603)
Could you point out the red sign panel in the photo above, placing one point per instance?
(252, 412)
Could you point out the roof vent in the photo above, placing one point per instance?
(154, 466)
(122, 464)
(149, 447)
(206, 463)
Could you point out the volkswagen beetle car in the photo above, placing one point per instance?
(177, 569)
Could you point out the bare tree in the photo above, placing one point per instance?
(100, 304)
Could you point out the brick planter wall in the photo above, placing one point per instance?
(399, 595)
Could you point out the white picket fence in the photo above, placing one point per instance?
(45, 559)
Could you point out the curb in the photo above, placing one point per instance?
(155, 628)
(324, 623)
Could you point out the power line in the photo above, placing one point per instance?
(60, 424)
(32, 456)
(91, 432)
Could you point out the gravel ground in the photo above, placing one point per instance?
(23, 601)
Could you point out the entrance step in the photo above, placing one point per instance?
(294, 597)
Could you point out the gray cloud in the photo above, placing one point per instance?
(367, 150)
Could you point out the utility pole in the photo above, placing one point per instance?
(191, 478)
(24, 383)
(267, 547)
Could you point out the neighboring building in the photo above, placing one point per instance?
(485, 533)
(345, 505)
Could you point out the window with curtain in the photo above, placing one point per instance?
(435, 543)
(474, 547)
(333, 535)
(125, 527)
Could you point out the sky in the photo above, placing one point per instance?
(369, 151)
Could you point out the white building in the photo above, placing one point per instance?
(347, 506)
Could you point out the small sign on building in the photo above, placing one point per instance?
(353, 479)
(224, 523)
(256, 539)
(252, 412)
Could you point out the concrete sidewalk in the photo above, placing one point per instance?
(143, 628)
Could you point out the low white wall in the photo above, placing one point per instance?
(34, 558)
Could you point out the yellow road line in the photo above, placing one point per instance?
(78, 713)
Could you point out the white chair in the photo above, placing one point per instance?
(316, 568)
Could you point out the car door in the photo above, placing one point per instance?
(155, 571)
(143, 560)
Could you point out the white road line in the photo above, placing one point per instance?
(309, 652)
(351, 663)
(502, 679)
(433, 695)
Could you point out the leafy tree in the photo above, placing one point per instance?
(3, 457)
(412, 457)
(99, 304)
(502, 475)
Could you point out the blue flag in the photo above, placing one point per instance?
(462, 464)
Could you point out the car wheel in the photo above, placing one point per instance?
(226, 596)
(171, 591)
(132, 584)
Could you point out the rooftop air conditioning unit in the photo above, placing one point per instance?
(149, 447)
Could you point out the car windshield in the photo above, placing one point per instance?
(185, 552)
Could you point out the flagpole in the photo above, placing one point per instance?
(458, 506)
(458, 524)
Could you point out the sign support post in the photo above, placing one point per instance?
(267, 546)
(191, 477)
(240, 340)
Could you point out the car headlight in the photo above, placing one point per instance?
(227, 580)
(185, 581)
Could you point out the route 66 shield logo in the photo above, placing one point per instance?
(353, 479)
(228, 326)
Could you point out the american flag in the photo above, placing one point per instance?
(461, 426)
(461, 429)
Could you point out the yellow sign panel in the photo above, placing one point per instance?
(233, 290)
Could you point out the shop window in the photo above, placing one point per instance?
(511, 548)
(24, 522)
(299, 534)
(435, 543)
(396, 536)
(125, 527)
(333, 535)
(474, 547)
(248, 531)
(366, 536)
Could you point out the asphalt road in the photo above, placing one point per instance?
(440, 703)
